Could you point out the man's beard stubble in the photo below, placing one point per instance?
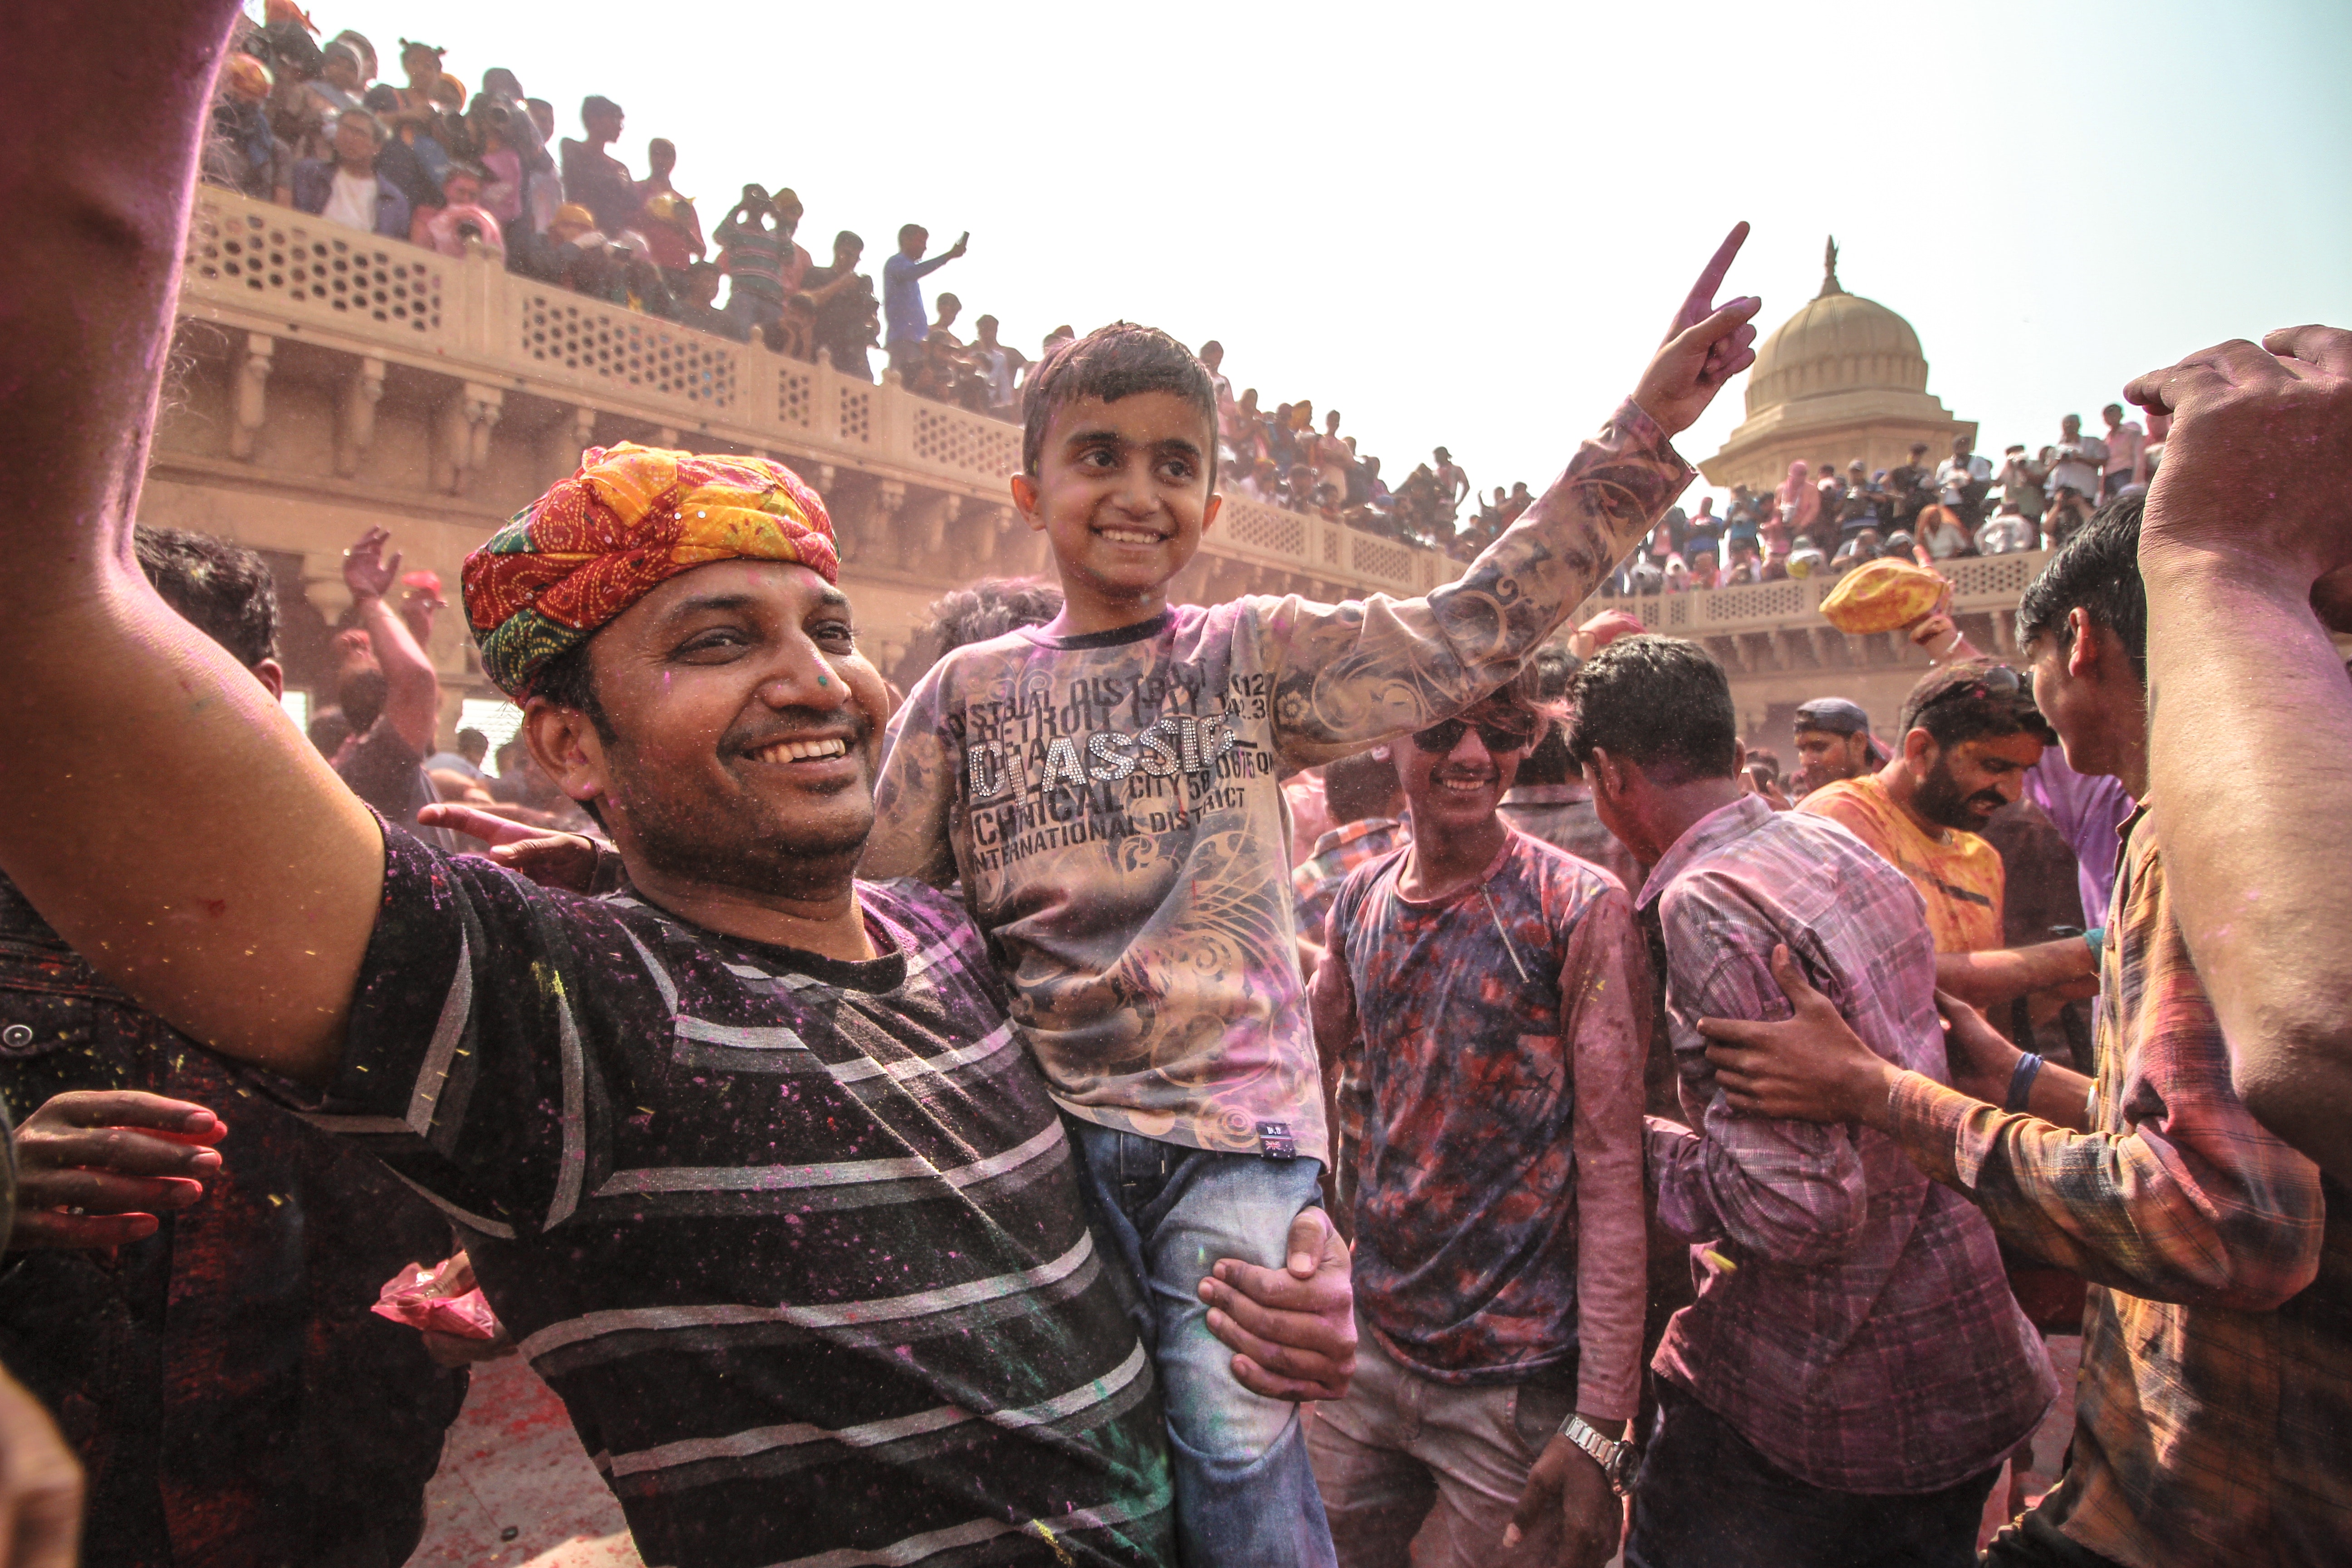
(786, 857)
(1940, 800)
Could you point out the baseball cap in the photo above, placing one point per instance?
(1834, 715)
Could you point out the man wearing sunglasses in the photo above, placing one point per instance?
(1483, 1021)
(1970, 734)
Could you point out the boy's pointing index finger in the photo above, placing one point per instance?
(1700, 305)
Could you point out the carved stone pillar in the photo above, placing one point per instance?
(583, 434)
(355, 430)
(466, 420)
(878, 540)
(938, 515)
(252, 386)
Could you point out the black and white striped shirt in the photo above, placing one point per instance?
(797, 1241)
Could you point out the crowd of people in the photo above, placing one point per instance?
(1962, 506)
(307, 124)
(1256, 1083)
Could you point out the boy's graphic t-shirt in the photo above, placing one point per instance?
(1111, 803)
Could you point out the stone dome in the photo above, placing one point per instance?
(1837, 343)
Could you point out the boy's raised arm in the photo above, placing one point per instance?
(1361, 671)
(153, 802)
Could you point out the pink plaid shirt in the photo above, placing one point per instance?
(1853, 1322)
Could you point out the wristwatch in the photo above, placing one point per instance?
(1615, 1457)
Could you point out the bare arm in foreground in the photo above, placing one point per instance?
(205, 857)
(2245, 547)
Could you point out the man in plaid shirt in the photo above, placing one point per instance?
(1854, 1369)
(1367, 801)
(2215, 1409)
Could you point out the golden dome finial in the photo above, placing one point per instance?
(1828, 271)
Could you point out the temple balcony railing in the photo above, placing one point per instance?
(1758, 628)
(270, 272)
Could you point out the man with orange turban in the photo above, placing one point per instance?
(749, 1160)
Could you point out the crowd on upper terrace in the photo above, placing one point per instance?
(307, 124)
(1961, 507)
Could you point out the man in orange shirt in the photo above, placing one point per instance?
(1970, 732)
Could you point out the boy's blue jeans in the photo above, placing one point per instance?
(1245, 1494)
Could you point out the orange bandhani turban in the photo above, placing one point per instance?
(629, 521)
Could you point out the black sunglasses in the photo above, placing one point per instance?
(1440, 739)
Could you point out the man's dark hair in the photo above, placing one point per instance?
(1660, 703)
(1970, 700)
(361, 694)
(567, 681)
(1111, 363)
(989, 608)
(597, 103)
(906, 228)
(2096, 572)
(1358, 787)
(846, 240)
(223, 590)
(1555, 677)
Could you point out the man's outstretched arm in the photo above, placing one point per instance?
(1352, 674)
(2191, 1202)
(412, 687)
(2247, 559)
(154, 803)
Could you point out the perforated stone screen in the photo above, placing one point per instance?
(1379, 558)
(971, 443)
(1261, 527)
(795, 396)
(300, 261)
(627, 349)
(2003, 575)
(1759, 601)
(857, 413)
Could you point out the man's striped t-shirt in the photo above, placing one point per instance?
(797, 1241)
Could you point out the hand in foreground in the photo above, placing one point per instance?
(40, 1486)
(1567, 1486)
(117, 1155)
(1807, 1068)
(2259, 456)
(1981, 1061)
(365, 571)
(1704, 347)
(452, 1280)
(565, 860)
(1294, 1328)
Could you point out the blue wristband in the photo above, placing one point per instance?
(2097, 937)
(2021, 1082)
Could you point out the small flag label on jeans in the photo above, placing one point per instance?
(1275, 1142)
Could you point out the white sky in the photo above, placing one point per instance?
(1467, 224)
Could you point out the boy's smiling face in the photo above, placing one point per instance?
(1122, 494)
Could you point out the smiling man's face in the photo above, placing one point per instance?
(742, 730)
(1122, 494)
(1457, 787)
